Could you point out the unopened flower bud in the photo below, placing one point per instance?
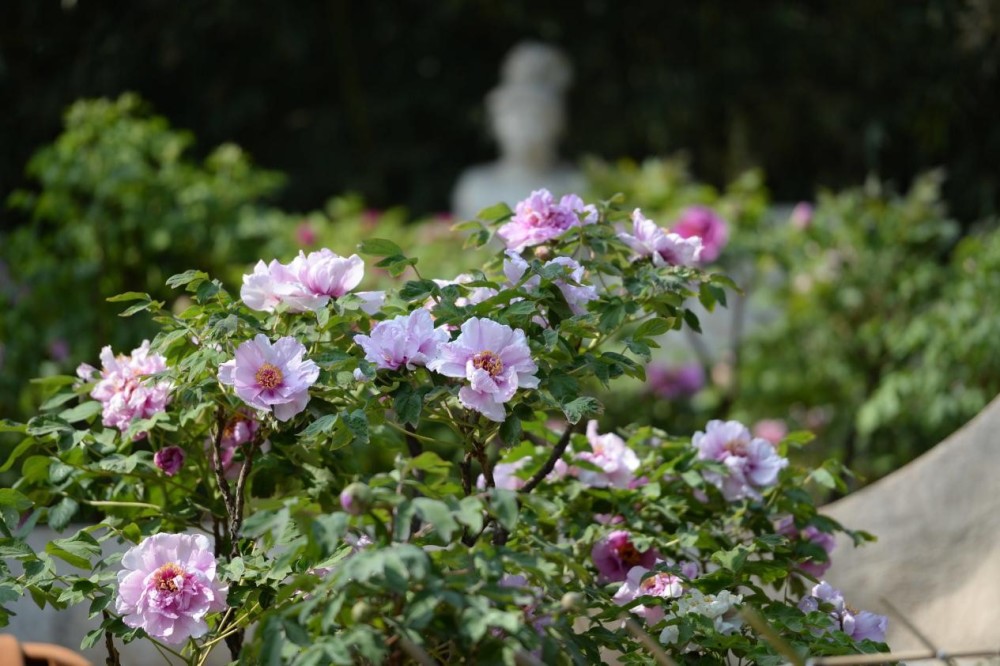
(361, 611)
(356, 498)
(169, 459)
(571, 601)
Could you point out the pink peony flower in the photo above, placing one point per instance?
(168, 586)
(169, 459)
(811, 533)
(538, 219)
(615, 555)
(664, 248)
(661, 584)
(773, 430)
(701, 222)
(406, 341)
(674, 382)
(751, 462)
(617, 461)
(326, 274)
(801, 216)
(859, 625)
(306, 284)
(505, 475)
(496, 361)
(123, 392)
(271, 377)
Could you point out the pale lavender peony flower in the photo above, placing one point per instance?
(539, 219)
(169, 459)
(476, 294)
(751, 462)
(325, 273)
(505, 475)
(371, 301)
(615, 555)
(271, 377)
(122, 390)
(825, 540)
(664, 248)
(801, 216)
(617, 461)
(704, 223)
(661, 584)
(672, 382)
(404, 342)
(859, 625)
(496, 361)
(274, 284)
(168, 586)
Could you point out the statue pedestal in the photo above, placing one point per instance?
(488, 184)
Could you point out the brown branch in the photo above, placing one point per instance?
(114, 659)
(551, 462)
(466, 467)
(236, 519)
(220, 474)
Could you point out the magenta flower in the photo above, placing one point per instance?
(169, 459)
(674, 382)
(168, 585)
(661, 584)
(701, 222)
(122, 390)
(406, 341)
(664, 248)
(617, 461)
(751, 462)
(271, 377)
(539, 219)
(496, 361)
(802, 215)
(859, 625)
(615, 555)
(811, 533)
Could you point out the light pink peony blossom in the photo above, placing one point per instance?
(123, 391)
(268, 376)
(859, 625)
(825, 540)
(326, 274)
(168, 585)
(751, 462)
(539, 219)
(404, 342)
(773, 430)
(169, 459)
(505, 475)
(617, 461)
(661, 584)
(704, 223)
(615, 555)
(496, 361)
(802, 215)
(664, 248)
(371, 301)
(673, 382)
(273, 284)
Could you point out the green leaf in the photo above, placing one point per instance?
(503, 504)
(417, 290)
(138, 307)
(428, 461)
(379, 247)
(407, 403)
(81, 412)
(732, 560)
(494, 213)
(62, 513)
(181, 279)
(510, 430)
(15, 500)
(652, 328)
(129, 296)
(582, 406)
(437, 514)
(322, 425)
(357, 421)
(692, 321)
(76, 551)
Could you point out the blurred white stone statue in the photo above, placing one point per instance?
(527, 115)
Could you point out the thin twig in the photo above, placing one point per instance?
(550, 464)
(415, 652)
(220, 473)
(466, 467)
(114, 659)
(654, 648)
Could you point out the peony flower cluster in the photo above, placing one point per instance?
(814, 535)
(406, 341)
(539, 219)
(721, 609)
(617, 461)
(751, 462)
(703, 223)
(122, 390)
(859, 625)
(168, 585)
(576, 293)
(496, 361)
(307, 283)
(663, 247)
(271, 377)
(615, 555)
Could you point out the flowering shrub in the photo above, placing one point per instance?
(254, 494)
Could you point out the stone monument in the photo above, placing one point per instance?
(527, 116)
